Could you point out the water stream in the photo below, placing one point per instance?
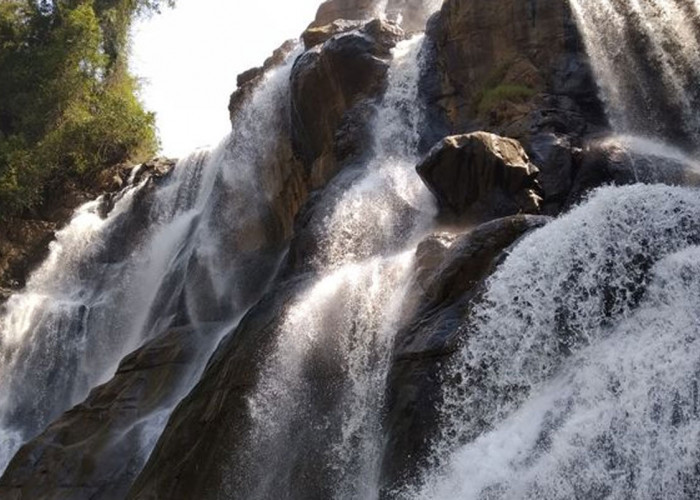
(578, 370)
(180, 253)
(317, 407)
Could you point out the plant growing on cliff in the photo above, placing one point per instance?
(68, 105)
(491, 98)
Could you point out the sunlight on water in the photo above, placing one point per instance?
(578, 373)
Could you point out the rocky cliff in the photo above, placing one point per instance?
(509, 138)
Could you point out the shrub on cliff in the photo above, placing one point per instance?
(68, 105)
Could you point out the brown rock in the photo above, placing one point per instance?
(343, 74)
(492, 55)
(349, 10)
(416, 377)
(410, 14)
(95, 449)
(249, 79)
(316, 35)
(480, 176)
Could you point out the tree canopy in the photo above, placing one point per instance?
(68, 105)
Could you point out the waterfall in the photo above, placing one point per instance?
(177, 253)
(577, 371)
(646, 58)
(578, 375)
(316, 409)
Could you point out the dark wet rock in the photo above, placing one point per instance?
(422, 348)
(554, 156)
(430, 254)
(96, 449)
(344, 74)
(193, 456)
(480, 176)
(617, 161)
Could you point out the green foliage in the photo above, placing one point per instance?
(491, 98)
(68, 106)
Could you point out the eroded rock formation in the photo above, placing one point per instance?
(511, 106)
(481, 176)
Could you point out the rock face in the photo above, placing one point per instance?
(415, 380)
(82, 455)
(214, 416)
(518, 69)
(480, 176)
(494, 53)
(410, 14)
(250, 79)
(347, 73)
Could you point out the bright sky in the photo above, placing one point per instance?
(189, 58)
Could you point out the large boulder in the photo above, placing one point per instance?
(480, 176)
(346, 74)
(421, 349)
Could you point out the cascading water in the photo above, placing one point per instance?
(577, 371)
(646, 58)
(316, 411)
(191, 242)
(577, 374)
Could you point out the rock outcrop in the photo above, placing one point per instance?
(347, 74)
(437, 329)
(410, 14)
(480, 176)
(96, 449)
(24, 242)
(493, 57)
(518, 69)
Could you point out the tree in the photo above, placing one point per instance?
(68, 105)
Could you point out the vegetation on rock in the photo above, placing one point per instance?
(491, 98)
(69, 106)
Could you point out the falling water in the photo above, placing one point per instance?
(166, 255)
(578, 376)
(317, 405)
(646, 57)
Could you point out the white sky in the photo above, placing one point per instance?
(189, 57)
